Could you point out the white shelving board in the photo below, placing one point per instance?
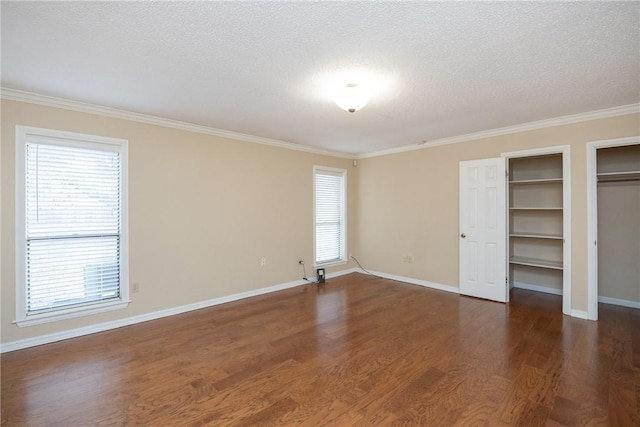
(534, 262)
(604, 176)
(537, 181)
(534, 209)
(536, 235)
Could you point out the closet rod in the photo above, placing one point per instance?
(618, 180)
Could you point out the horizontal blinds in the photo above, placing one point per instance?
(329, 216)
(72, 209)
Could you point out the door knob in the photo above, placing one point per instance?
(463, 235)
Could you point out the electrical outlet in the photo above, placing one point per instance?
(135, 287)
(408, 259)
(301, 261)
(263, 261)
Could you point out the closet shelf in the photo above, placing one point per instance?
(615, 176)
(534, 209)
(536, 235)
(537, 181)
(534, 262)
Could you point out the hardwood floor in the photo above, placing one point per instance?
(357, 351)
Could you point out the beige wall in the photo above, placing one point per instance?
(408, 202)
(203, 210)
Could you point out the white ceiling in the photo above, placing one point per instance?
(440, 69)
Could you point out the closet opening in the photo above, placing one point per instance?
(614, 276)
(538, 224)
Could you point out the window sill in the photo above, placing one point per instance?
(54, 316)
(331, 264)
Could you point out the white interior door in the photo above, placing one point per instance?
(483, 240)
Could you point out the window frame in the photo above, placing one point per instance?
(24, 135)
(343, 253)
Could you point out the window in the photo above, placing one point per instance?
(71, 222)
(330, 215)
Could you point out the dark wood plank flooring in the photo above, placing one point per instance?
(357, 351)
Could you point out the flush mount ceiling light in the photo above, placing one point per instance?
(352, 97)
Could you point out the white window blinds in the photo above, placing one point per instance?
(72, 226)
(330, 218)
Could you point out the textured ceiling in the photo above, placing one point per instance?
(440, 69)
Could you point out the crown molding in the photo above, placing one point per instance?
(83, 107)
(541, 124)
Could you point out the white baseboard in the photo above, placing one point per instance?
(100, 327)
(73, 333)
(617, 301)
(529, 287)
(580, 314)
(418, 282)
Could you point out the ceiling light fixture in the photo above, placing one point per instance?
(352, 97)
